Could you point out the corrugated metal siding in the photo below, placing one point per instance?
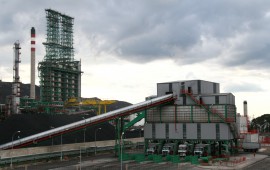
(183, 113)
(160, 131)
(168, 114)
(172, 113)
(153, 115)
(199, 114)
(208, 131)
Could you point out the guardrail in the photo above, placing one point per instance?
(79, 148)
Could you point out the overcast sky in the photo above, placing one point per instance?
(127, 46)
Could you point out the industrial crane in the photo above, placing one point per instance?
(74, 102)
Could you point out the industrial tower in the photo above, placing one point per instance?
(60, 74)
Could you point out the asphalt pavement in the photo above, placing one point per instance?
(110, 162)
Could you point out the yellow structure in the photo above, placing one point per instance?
(74, 102)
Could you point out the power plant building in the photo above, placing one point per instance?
(199, 113)
(59, 72)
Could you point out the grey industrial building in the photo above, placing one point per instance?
(199, 114)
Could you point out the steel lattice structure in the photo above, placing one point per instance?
(59, 72)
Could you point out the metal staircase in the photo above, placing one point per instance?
(230, 121)
(204, 106)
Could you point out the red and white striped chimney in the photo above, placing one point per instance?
(33, 64)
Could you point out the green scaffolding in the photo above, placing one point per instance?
(60, 74)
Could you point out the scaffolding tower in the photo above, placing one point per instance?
(59, 72)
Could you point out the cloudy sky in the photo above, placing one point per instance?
(127, 46)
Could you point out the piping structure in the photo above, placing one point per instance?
(88, 122)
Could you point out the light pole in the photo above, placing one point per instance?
(61, 157)
(81, 155)
(11, 165)
(52, 136)
(96, 140)
(84, 130)
(121, 150)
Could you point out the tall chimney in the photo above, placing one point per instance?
(245, 109)
(16, 90)
(33, 64)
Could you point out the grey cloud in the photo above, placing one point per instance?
(243, 87)
(147, 31)
(142, 31)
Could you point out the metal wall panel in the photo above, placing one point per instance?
(225, 133)
(191, 130)
(193, 84)
(160, 131)
(176, 87)
(162, 88)
(148, 131)
(224, 98)
(208, 87)
(208, 99)
(208, 131)
(176, 131)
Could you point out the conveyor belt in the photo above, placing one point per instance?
(88, 122)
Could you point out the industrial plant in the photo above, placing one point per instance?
(187, 120)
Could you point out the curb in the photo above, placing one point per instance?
(255, 162)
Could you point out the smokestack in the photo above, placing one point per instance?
(245, 109)
(33, 64)
(16, 92)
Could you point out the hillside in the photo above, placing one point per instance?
(6, 87)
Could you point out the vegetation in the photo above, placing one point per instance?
(261, 123)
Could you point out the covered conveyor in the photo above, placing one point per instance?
(88, 122)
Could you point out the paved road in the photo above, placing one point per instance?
(110, 162)
(261, 165)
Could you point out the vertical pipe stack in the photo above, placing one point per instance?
(245, 109)
(33, 56)
(16, 93)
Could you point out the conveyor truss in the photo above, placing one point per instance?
(79, 125)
